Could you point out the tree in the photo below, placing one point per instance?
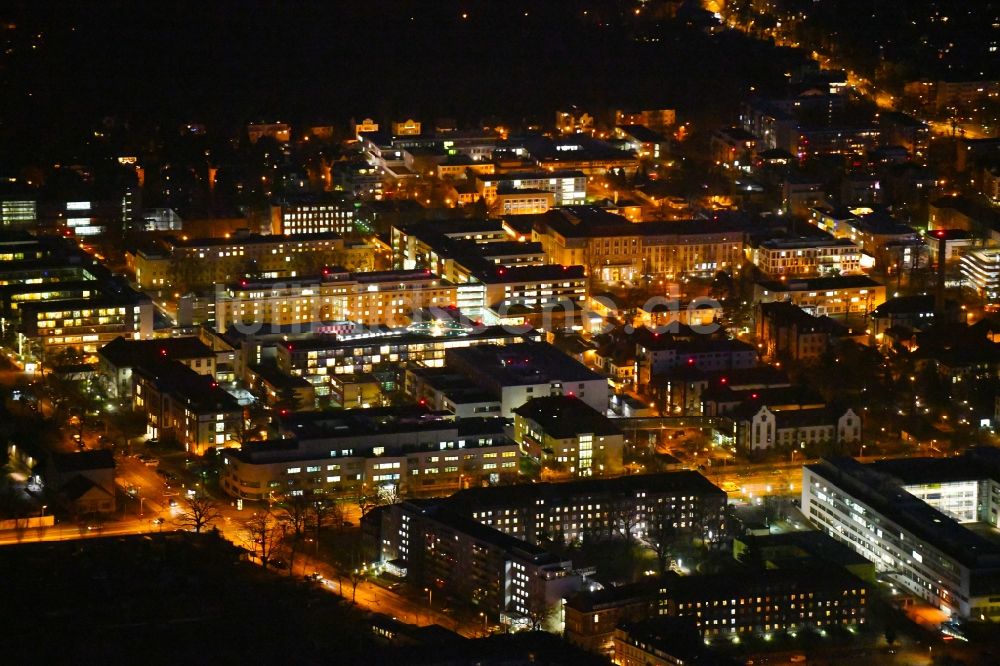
(890, 634)
(262, 535)
(624, 520)
(297, 512)
(660, 536)
(200, 512)
(540, 612)
(247, 427)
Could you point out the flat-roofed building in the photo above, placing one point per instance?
(351, 452)
(221, 260)
(841, 295)
(318, 359)
(182, 405)
(800, 257)
(981, 272)
(568, 187)
(311, 214)
(685, 501)
(566, 435)
(613, 249)
(519, 372)
(894, 516)
(469, 564)
(380, 298)
(117, 360)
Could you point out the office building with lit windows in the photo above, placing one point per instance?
(600, 508)
(376, 298)
(312, 214)
(347, 452)
(981, 272)
(912, 518)
(87, 323)
(564, 433)
(765, 601)
(568, 187)
(318, 359)
(463, 563)
(613, 249)
(223, 260)
(18, 213)
(808, 256)
(840, 295)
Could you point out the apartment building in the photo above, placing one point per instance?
(565, 434)
(469, 565)
(614, 250)
(378, 298)
(347, 452)
(601, 508)
(806, 257)
(222, 260)
(842, 295)
(182, 405)
(318, 359)
(765, 601)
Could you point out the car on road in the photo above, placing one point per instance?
(314, 577)
(147, 460)
(172, 502)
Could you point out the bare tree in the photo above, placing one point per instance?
(624, 519)
(540, 612)
(200, 512)
(298, 510)
(660, 535)
(325, 513)
(262, 535)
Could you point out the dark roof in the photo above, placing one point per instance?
(642, 133)
(562, 416)
(480, 333)
(275, 377)
(200, 393)
(83, 461)
(820, 283)
(79, 486)
(590, 222)
(976, 464)
(439, 513)
(883, 494)
(123, 353)
(919, 303)
(685, 482)
(522, 363)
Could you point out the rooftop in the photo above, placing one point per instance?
(521, 363)
(684, 482)
(820, 283)
(124, 353)
(883, 493)
(564, 416)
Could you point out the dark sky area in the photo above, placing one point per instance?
(228, 62)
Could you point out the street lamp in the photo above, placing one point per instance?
(430, 596)
(483, 615)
